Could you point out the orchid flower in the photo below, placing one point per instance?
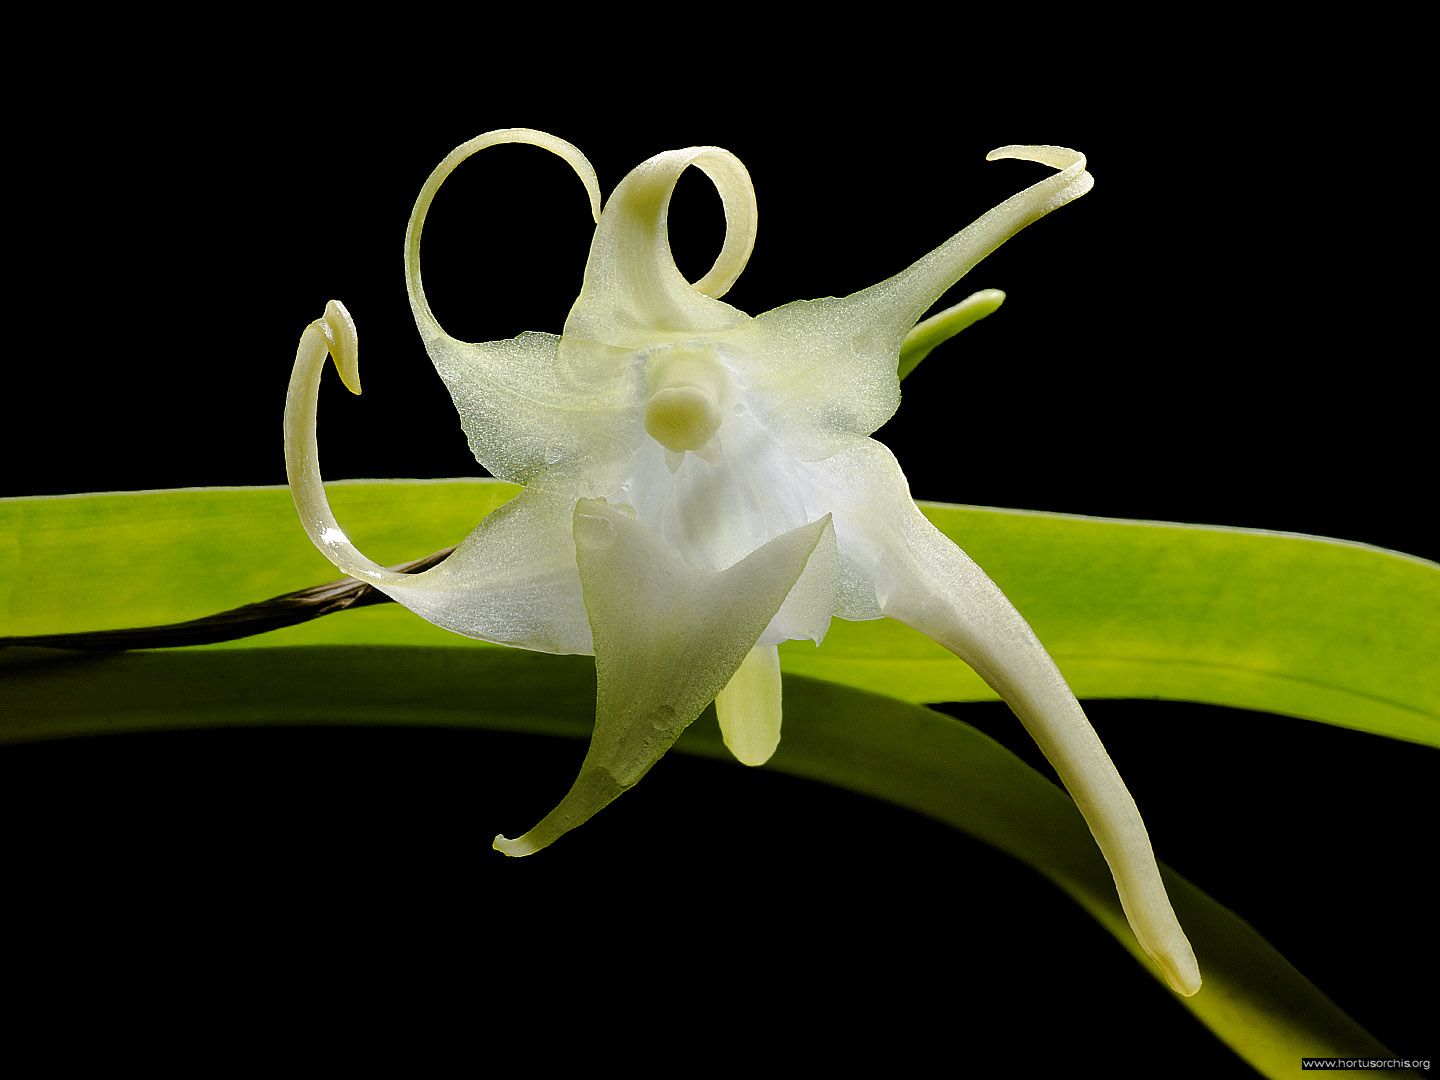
(700, 486)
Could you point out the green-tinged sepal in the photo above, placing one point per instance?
(634, 294)
(939, 328)
(668, 638)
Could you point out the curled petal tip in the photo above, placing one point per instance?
(419, 305)
(516, 849)
(894, 306)
(331, 335)
(631, 281)
(344, 342)
(1071, 163)
(595, 788)
(1057, 157)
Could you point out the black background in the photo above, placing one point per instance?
(1225, 330)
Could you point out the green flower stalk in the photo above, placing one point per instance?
(700, 486)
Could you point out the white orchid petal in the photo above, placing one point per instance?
(668, 638)
(523, 412)
(526, 415)
(633, 293)
(896, 304)
(924, 580)
(824, 370)
(419, 305)
(512, 581)
(715, 512)
(962, 609)
(807, 611)
(749, 707)
(302, 454)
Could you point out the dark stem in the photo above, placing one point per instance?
(289, 609)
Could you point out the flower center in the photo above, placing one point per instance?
(688, 386)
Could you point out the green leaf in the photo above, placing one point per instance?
(1320, 629)
(84, 562)
(1252, 998)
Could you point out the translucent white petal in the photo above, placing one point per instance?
(634, 294)
(714, 513)
(820, 373)
(715, 507)
(826, 369)
(512, 581)
(526, 414)
(668, 638)
(807, 611)
(921, 578)
(896, 304)
(420, 306)
(522, 410)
